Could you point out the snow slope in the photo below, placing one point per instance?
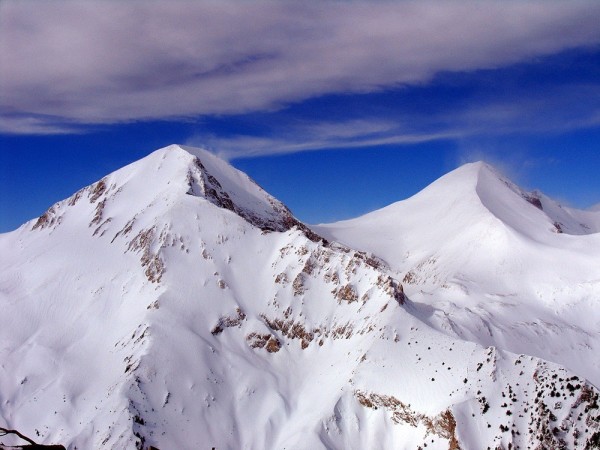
(488, 262)
(175, 304)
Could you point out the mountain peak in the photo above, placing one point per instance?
(223, 185)
(175, 172)
(479, 188)
(226, 187)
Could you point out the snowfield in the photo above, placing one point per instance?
(176, 304)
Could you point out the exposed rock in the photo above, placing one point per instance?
(229, 321)
(346, 293)
(298, 284)
(152, 262)
(534, 199)
(442, 425)
(392, 287)
(97, 190)
(49, 219)
(200, 182)
(266, 341)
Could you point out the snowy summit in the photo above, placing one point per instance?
(176, 304)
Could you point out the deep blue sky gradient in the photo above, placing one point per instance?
(539, 121)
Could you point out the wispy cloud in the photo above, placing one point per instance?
(317, 136)
(109, 62)
(524, 112)
(33, 125)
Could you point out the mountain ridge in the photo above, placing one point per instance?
(183, 324)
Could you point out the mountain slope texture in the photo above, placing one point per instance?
(174, 304)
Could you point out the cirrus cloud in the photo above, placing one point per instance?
(67, 62)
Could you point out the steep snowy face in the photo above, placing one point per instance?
(500, 266)
(504, 199)
(175, 304)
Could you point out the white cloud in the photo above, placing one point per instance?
(108, 62)
(35, 125)
(526, 111)
(318, 136)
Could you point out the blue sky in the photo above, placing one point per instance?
(336, 108)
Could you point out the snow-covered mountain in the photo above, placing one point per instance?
(175, 304)
(488, 262)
